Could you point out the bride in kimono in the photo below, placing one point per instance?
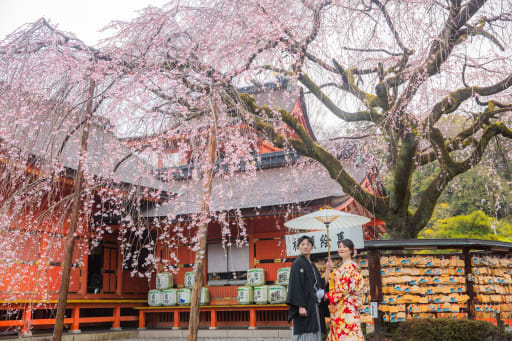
(345, 296)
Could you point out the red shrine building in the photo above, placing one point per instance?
(103, 292)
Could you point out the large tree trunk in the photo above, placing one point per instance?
(398, 229)
(68, 255)
(193, 323)
(402, 226)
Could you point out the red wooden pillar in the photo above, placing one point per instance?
(119, 271)
(26, 317)
(375, 288)
(116, 325)
(75, 314)
(213, 322)
(83, 268)
(468, 273)
(142, 319)
(252, 245)
(252, 318)
(43, 269)
(176, 319)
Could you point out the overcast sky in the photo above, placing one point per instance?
(82, 17)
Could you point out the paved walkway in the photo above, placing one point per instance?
(169, 334)
(210, 339)
(217, 335)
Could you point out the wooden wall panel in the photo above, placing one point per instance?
(266, 224)
(78, 251)
(134, 285)
(224, 291)
(74, 281)
(271, 270)
(56, 247)
(54, 275)
(18, 277)
(28, 247)
(55, 278)
(19, 246)
(185, 255)
(270, 249)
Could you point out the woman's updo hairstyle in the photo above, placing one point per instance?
(350, 244)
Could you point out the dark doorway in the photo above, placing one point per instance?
(95, 270)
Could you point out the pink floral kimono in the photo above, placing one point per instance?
(346, 296)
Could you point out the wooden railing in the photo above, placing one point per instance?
(258, 315)
(24, 320)
(31, 314)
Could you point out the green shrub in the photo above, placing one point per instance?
(444, 330)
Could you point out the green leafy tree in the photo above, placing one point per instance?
(480, 188)
(477, 225)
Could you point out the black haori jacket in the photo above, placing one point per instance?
(301, 293)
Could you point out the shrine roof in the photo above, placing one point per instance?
(56, 139)
(282, 93)
(288, 184)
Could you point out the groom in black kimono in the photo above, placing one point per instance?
(305, 293)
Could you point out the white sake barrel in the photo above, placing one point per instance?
(245, 295)
(189, 279)
(261, 294)
(154, 298)
(184, 295)
(205, 296)
(255, 277)
(169, 297)
(164, 281)
(283, 276)
(276, 294)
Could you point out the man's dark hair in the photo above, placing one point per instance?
(302, 238)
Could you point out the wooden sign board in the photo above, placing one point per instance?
(320, 239)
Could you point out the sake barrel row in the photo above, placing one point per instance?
(166, 297)
(164, 280)
(185, 296)
(170, 297)
(273, 294)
